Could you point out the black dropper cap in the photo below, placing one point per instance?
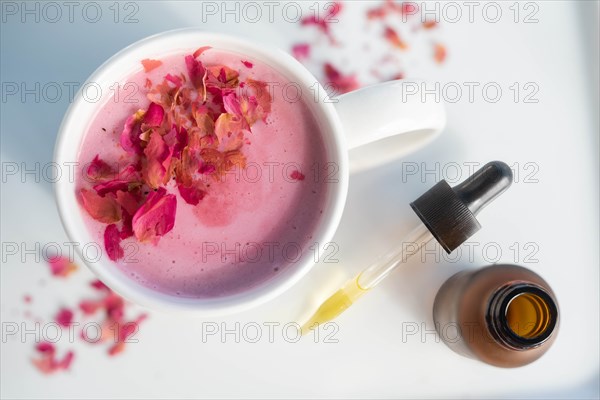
(449, 213)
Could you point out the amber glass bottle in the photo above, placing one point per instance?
(504, 315)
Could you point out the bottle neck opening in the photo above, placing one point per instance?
(522, 316)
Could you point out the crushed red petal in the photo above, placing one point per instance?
(201, 50)
(406, 8)
(150, 64)
(430, 24)
(247, 64)
(148, 83)
(112, 242)
(206, 169)
(323, 24)
(48, 363)
(297, 175)
(340, 83)
(64, 317)
(89, 306)
(192, 194)
(61, 266)
(196, 71)
(439, 53)
(45, 347)
(98, 285)
(392, 36)
(301, 51)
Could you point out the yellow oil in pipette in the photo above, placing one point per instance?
(336, 304)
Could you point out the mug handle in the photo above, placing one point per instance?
(389, 120)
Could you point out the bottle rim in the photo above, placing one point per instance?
(497, 320)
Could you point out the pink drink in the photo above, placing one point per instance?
(253, 222)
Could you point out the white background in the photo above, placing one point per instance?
(373, 357)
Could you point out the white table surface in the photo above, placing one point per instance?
(556, 139)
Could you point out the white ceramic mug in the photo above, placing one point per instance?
(381, 120)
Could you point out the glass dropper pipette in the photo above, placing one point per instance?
(448, 215)
(369, 278)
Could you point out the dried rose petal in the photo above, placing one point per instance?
(61, 266)
(175, 80)
(323, 23)
(392, 36)
(297, 175)
(90, 306)
(125, 180)
(406, 8)
(104, 209)
(114, 306)
(340, 83)
(48, 363)
(201, 50)
(255, 103)
(206, 169)
(125, 330)
(260, 91)
(130, 137)
(182, 142)
(192, 194)
(99, 285)
(196, 71)
(247, 64)
(65, 363)
(232, 104)
(228, 127)
(149, 64)
(99, 169)
(301, 51)
(64, 317)
(439, 53)
(225, 76)
(375, 13)
(116, 348)
(429, 24)
(128, 202)
(158, 157)
(111, 186)
(112, 243)
(126, 228)
(45, 347)
(156, 217)
(154, 115)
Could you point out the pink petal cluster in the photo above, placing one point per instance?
(47, 362)
(192, 132)
(386, 15)
(323, 22)
(115, 327)
(61, 266)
